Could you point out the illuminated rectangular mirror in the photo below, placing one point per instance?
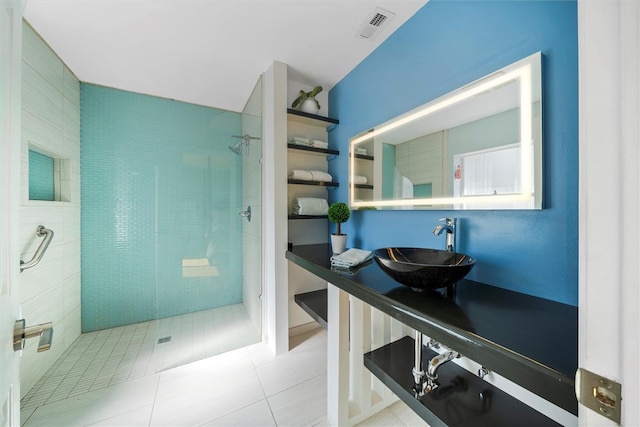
(478, 147)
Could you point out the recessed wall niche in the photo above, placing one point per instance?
(49, 176)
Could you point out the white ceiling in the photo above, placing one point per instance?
(209, 52)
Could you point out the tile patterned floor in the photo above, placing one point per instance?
(104, 358)
(243, 387)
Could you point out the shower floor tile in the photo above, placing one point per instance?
(104, 358)
(209, 392)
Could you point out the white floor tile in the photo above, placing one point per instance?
(309, 339)
(302, 405)
(111, 356)
(256, 415)
(407, 415)
(25, 413)
(324, 423)
(292, 368)
(202, 372)
(136, 418)
(260, 354)
(384, 418)
(92, 407)
(245, 387)
(219, 397)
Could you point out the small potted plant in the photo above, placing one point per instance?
(338, 213)
(307, 101)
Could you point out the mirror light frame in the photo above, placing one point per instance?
(523, 71)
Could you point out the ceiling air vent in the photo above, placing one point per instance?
(378, 19)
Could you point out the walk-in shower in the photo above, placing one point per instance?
(246, 140)
(161, 235)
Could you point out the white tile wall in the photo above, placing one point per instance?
(50, 291)
(419, 160)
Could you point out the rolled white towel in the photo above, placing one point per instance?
(310, 206)
(358, 179)
(351, 258)
(321, 176)
(301, 174)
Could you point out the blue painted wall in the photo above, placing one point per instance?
(159, 185)
(443, 46)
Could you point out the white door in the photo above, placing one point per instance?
(10, 60)
(609, 92)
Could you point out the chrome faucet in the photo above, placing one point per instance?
(450, 227)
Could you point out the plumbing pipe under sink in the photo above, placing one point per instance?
(426, 382)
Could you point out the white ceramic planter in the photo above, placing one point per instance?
(309, 106)
(338, 243)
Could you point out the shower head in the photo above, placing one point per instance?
(236, 148)
(246, 139)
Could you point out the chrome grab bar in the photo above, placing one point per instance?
(48, 236)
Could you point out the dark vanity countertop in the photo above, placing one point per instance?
(529, 340)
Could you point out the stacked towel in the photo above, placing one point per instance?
(358, 179)
(362, 151)
(310, 206)
(320, 144)
(316, 143)
(310, 175)
(351, 258)
(298, 140)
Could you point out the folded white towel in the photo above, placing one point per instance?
(362, 151)
(358, 179)
(301, 174)
(319, 145)
(310, 175)
(321, 176)
(351, 258)
(301, 140)
(310, 206)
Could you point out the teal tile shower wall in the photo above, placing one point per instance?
(41, 179)
(159, 186)
(445, 45)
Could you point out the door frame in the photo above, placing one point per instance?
(609, 207)
(10, 188)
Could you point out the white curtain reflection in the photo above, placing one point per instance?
(488, 172)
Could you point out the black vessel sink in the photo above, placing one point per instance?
(421, 268)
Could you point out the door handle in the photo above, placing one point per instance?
(22, 333)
